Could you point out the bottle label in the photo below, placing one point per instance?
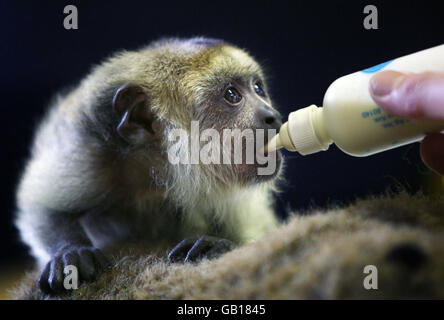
(383, 119)
(377, 67)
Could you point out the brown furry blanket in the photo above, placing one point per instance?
(320, 254)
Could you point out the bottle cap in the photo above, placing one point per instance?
(302, 132)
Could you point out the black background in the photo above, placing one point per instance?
(304, 45)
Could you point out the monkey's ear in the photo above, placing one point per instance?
(136, 118)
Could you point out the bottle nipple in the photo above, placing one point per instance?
(274, 144)
(299, 133)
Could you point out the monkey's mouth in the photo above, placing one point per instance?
(264, 167)
(262, 170)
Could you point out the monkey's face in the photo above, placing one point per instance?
(216, 94)
(232, 99)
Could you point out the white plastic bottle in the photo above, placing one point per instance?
(352, 120)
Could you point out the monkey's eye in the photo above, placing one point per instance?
(232, 95)
(258, 88)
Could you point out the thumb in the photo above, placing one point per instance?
(419, 96)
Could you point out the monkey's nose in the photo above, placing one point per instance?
(270, 119)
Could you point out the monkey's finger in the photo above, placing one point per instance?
(56, 275)
(219, 248)
(71, 258)
(179, 252)
(43, 280)
(87, 266)
(198, 250)
(102, 261)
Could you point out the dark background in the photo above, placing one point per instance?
(304, 45)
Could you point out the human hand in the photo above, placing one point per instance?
(415, 96)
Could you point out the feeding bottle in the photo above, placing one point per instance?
(352, 120)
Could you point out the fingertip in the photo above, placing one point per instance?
(101, 259)
(383, 88)
(43, 279)
(382, 83)
(87, 265)
(55, 279)
(413, 95)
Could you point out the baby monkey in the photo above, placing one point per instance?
(99, 172)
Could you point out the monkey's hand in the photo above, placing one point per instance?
(89, 261)
(194, 249)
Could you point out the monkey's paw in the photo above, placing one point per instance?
(194, 249)
(89, 262)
